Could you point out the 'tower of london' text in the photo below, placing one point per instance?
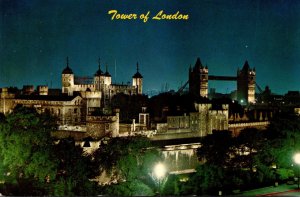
(115, 15)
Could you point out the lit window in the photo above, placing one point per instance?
(107, 127)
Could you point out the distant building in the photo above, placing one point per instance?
(292, 97)
(82, 106)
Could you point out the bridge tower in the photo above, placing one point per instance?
(198, 80)
(246, 84)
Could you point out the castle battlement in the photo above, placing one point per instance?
(94, 94)
(104, 118)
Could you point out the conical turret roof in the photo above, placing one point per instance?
(67, 70)
(99, 71)
(137, 74)
(107, 73)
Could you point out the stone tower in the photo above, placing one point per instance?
(106, 89)
(198, 80)
(67, 80)
(107, 79)
(246, 84)
(99, 78)
(137, 80)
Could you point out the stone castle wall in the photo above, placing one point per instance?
(101, 126)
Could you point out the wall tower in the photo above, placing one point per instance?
(137, 80)
(107, 79)
(99, 78)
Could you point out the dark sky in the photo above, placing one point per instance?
(37, 35)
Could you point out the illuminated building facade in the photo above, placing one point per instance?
(102, 83)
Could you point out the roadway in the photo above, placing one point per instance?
(281, 190)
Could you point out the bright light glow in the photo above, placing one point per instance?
(242, 101)
(297, 158)
(160, 170)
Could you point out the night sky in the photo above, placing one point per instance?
(36, 36)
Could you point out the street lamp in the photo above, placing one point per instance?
(160, 172)
(297, 161)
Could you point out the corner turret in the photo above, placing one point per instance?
(99, 78)
(107, 78)
(99, 71)
(137, 80)
(67, 70)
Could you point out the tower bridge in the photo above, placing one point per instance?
(198, 81)
(221, 78)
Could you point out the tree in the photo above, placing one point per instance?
(248, 143)
(216, 148)
(130, 188)
(25, 151)
(31, 163)
(208, 179)
(280, 145)
(129, 161)
(281, 124)
(75, 169)
(172, 185)
(252, 168)
(238, 159)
